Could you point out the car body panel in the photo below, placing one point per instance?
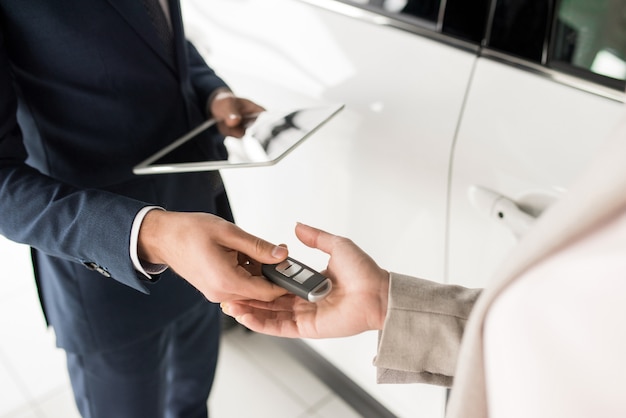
(426, 116)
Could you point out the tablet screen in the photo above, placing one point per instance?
(269, 137)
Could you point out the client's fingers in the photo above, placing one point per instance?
(315, 238)
(272, 322)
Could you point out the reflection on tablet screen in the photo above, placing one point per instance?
(268, 138)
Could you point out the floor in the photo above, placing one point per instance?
(255, 377)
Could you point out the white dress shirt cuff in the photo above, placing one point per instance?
(145, 268)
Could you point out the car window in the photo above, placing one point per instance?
(466, 19)
(590, 39)
(519, 27)
(581, 38)
(423, 9)
(462, 19)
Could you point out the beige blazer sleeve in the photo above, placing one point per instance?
(423, 329)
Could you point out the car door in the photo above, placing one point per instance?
(540, 104)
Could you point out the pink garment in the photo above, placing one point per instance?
(555, 340)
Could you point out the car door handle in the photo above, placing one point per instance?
(501, 209)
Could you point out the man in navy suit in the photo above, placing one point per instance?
(88, 88)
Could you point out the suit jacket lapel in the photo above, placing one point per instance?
(135, 14)
(599, 194)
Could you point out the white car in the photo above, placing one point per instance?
(463, 122)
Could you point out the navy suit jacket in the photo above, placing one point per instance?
(86, 92)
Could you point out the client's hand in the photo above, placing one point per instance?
(357, 303)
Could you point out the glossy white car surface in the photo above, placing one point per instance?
(425, 122)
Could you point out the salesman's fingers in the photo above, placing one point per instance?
(224, 106)
(251, 265)
(237, 116)
(248, 110)
(233, 113)
(235, 238)
(254, 287)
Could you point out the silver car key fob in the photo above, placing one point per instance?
(299, 279)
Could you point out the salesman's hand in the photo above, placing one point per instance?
(357, 303)
(210, 253)
(232, 112)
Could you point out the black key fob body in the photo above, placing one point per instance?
(299, 279)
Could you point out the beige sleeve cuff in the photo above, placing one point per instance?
(422, 333)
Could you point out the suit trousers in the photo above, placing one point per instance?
(168, 374)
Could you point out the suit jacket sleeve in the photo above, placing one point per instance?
(423, 330)
(88, 226)
(203, 79)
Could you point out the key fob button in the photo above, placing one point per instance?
(288, 268)
(303, 276)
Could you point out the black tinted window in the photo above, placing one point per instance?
(422, 9)
(466, 19)
(520, 27)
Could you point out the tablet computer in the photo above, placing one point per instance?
(269, 137)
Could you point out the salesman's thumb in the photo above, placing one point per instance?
(265, 252)
(279, 252)
(225, 108)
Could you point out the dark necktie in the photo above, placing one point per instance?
(159, 21)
